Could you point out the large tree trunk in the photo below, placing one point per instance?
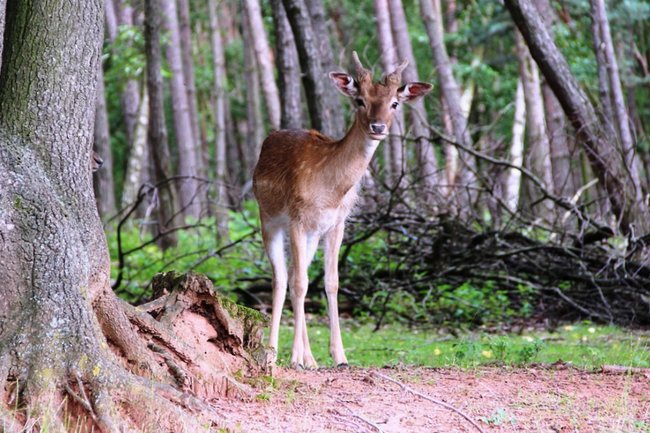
(288, 69)
(394, 151)
(314, 79)
(603, 157)
(219, 97)
(103, 179)
(156, 131)
(260, 43)
(186, 147)
(426, 157)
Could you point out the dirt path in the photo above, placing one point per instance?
(498, 399)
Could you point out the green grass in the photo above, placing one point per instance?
(584, 345)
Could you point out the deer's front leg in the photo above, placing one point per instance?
(332, 246)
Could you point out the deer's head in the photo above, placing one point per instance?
(377, 102)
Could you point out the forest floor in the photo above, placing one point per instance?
(557, 399)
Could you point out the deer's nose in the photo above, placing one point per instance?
(378, 128)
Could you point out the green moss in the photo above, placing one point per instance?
(248, 315)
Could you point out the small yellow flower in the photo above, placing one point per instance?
(584, 338)
(529, 339)
(487, 353)
(568, 328)
(591, 330)
(437, 352)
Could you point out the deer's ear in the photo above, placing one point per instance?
(345, 83)
(412, 91)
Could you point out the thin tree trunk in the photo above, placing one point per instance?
(288, 69)
(219, 97)
(513, 178)
(157, 132)
(538, 160)
(130, 99)
(187, 150)
(3, 8)
(254, 125)
(110, 16)
(190, 86)
(103, 179)
(426, 156)
(314, 79)
(602, 156)
(394, 152)
(265, 66)
(134, 168)
(621, 119)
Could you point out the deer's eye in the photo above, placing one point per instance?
(359, 102)
(394, 105)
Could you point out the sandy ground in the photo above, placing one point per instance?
(498, 399)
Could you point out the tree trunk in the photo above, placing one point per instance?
(157, 132)
(103, 179)
(134, 168)
(323, 43)
(395, 156)
(288, 69)
(262, 50)
(314, 80)
(254, 124)
(621, 120)
(513, 177)
(219, 97)
(538, 160)
(111, 20)
(186, 147)
(426, 157)
(190, 86)
(602, 156)
(3, 7)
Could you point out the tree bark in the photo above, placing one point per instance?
(314, 79)
(3, 7)
(394, 151)
(602, 156)
(426, 157)
(254, 124)
(538, 159)
(157, 132)
(190, 85)
(187, 150)
(262, 50)
(288, 69)
(219, 97)
(513, 176)
(621, 120)
(103, 178)
(134, 168)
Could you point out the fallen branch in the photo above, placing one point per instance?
(431, 399)
(359, 417)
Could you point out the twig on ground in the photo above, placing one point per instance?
(359, 417)
(431, 399)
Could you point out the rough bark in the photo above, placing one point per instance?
(156, 131)
(426, 157)
(266, 69)
(3, 7)
(219, 97)
(314, 80)
(103, 179)
(603, 158)
(394, 151)
(187, 150)
(620, 119)
(538, 158)
(318, 21)
(288, 69)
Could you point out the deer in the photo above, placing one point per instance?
(306, 184)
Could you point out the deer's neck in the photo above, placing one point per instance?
(350, 159)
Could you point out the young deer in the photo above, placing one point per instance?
(306, 185)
